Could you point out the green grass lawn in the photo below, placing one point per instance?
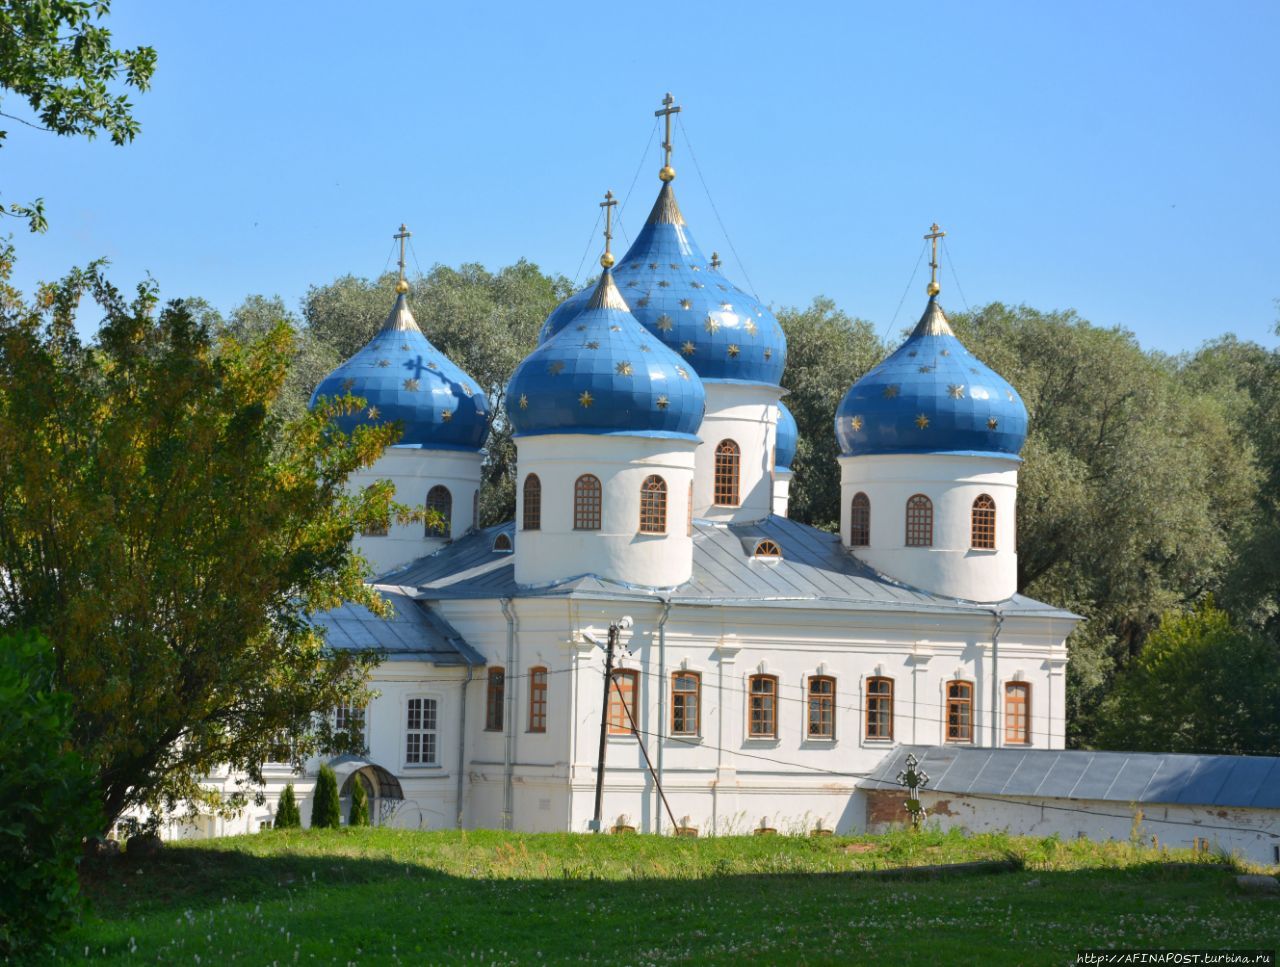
(389, 896)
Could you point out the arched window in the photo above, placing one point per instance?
(860, 520)
(763, 691)
(532, 503)
(502, 543)
(586, 503)
(822, 707)
(537, 699)
(919, 521)
(1017, 713)
(686, 712)
(768, 549)
(441, 501)
(959, 711)
(728, 461)
(495, 694)
(653, 505)
(984, 523)
(879, 708)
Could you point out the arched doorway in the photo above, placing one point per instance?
(380, 787)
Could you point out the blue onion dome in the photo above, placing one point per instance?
(784, 448)
(681, 297)
(605, 374)
(402, 377)
(932, 396)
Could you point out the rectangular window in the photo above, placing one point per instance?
(686, 712)
(822, 707)
(623, 689)
(764, 707)
(1017, 713)
(350, 719)
(495, 694)
(420, 732)
(959, 711)
(537, 700)
(879, 708)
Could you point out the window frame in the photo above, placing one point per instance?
(767, 703)
(495, 698)
(538, 698)
(434, 502)
(982, 529)
(1024, 714)
(618, 723)
(726, 478)
(921, 525)
(768, 549)
(952, 732)
(344, 711)
(881, 711)
(531, 509)
(653, 505)
(826, 703)
(860, 507)
(423, 733)
(684, 693)
(588, 503)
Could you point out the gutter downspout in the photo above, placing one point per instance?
(462, 732)
(995, 676)
(662, 698)
(508, 719)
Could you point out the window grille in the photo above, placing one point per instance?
(441, 501)
(586, 503)
(768, 549)
(984, 523)
(919, 521)
(532, 503)
(420, 732)
(860, 521)
(653, 505)
(728, 465)
(879, 708)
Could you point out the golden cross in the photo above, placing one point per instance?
(402, 236)
(715, 260)
(669, 107)
(609, 201)
(935, 233)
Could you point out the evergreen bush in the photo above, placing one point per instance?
(288, 816)
(325, 811)
(359, 815)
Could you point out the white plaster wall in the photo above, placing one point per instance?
(781, 491)
(951, 567)
(747, 414)
(618, 551)
(414, 471)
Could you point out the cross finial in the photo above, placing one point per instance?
(935, 233)
(669, 107)
(402, 236)
(715, 260)
(606, 260)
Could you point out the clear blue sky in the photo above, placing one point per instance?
(1118, 158)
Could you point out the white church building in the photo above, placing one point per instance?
(763, 668)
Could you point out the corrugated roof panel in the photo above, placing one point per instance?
(1209, 779)
(1099, 774)
(1134, 777)
(1064, 772)
(1264, 783)
(995, 773)
(1170, 778)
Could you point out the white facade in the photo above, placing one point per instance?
(747, 415)
(950, 566)
(781, 491)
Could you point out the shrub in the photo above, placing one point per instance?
(288, 816)
(325, 812)
(48, 803)
(359, 815)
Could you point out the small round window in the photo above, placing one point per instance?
(502, 543)
(768, 549)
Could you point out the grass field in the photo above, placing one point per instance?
(376, 895)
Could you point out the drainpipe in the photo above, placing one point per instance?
(462, 731)
(995, 675)
(662, 697)
(508, 719)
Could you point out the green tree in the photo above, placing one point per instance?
(172, 533)
(827, 352)
(1202, 683)
(287, 814)
(326, 811)
(47, 805)
(359, 815)
(59, 59)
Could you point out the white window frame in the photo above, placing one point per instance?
(364, 723)
(421, 732)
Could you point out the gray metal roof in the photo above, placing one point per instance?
(814, 571)
(1139, 777)
(412, 631)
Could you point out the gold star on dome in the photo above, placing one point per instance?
(586, 399)
(615, 329)
(642, 301)
(687, 348)
(373, 412)
(856, 423)
(632, 283)
(555, 368)
(926, 369)
(946, 352)
(726, 306)
(582, 329)
(733, 349)
(653, 265)
(384, 363)
(664, 284)
(644, 347)
(711, 324)
(447, 415)
(664, 322)
(768, 354)
(674, 265)
(411, 384)
(404, 346)
(751, 329)
(697, 285)
(956, 391)
(684, 373)
(592, 344)
(347, 385)
(686, 304)
(992, 423)
(663, 402)
(912, 354)
(624, 369)
(922, 421)
(696, 268)
(524, 401)
(890, 391)
(721, 287)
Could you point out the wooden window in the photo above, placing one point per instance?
(768, 549)
(502, 543)
(350, 719)
(764, 707)
(532, 520)
(689, 512)
(860, 521)
(653, 505)
(586, 503)
(959, 711)
(919, 521)
(1017, 713)
(624, 682)
(879, 708)
(441, 501)
(537, 700)
(686, 705)
(420, 732)
(728, 463)
(984, 523)
(495, 695)
(822, 707)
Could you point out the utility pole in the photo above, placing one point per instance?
(614, 628)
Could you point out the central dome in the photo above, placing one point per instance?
(680, 297)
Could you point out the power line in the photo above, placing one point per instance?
(885, 335)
